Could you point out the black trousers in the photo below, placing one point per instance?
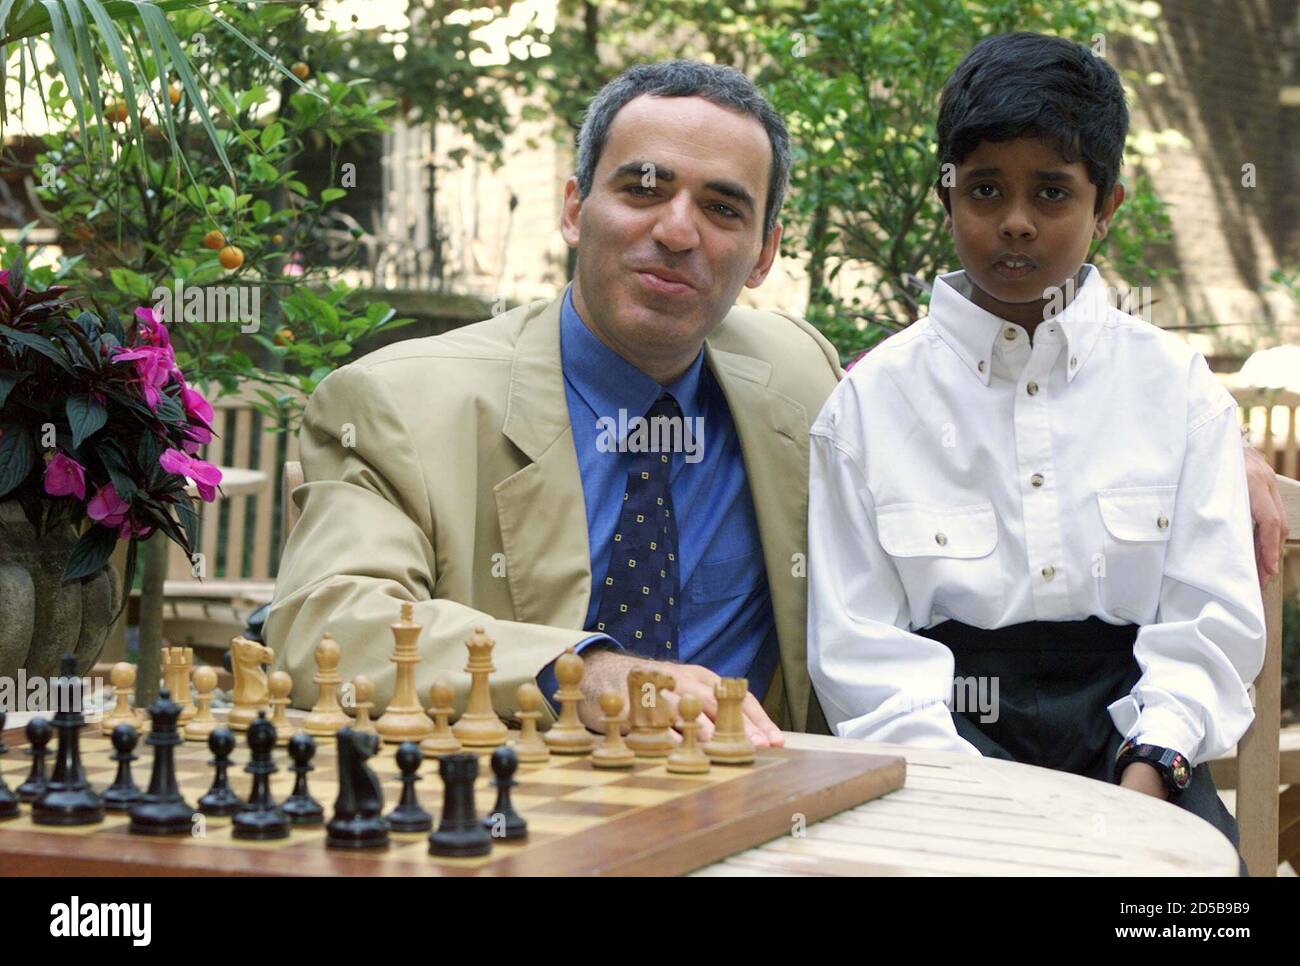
(1055, 679)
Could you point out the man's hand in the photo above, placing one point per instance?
(1144, 778)
(606, 670)
(1268, 513)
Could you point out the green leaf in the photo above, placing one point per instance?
(297, 187)
(332, 194)
(227, 196)
(271, 135)
(254, 95)
(86, 416)
(91, 552)
(17, 455)
(129, 282)
(37, 343)
(9, 379)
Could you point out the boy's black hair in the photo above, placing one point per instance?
(1032, 85)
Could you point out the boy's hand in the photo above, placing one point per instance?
(1144, 778)
(1267, 512)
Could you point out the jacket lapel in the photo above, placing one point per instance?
(773, 432)
(540, 507)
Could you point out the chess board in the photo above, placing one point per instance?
(581, 820)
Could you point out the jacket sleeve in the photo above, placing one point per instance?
(366, 541)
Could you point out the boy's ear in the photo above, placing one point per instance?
(1107, 212)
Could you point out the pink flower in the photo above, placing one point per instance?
(196, 407)
(154, 365)
(130, 528)
(196, 437)
(4, 278)
(151, 330)
(64, 476)
(107, 507)
(204, 474)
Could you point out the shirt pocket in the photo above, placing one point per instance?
(945, 559)
(731, 577)
(1137, 523)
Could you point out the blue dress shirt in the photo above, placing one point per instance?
(725, 606)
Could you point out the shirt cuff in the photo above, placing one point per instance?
(546, 680)
(1156, 726)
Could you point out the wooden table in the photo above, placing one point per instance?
(963, 815)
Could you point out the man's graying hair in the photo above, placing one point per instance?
(724, 86)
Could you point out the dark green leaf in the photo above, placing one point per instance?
(91, 552)
(17, 455)
(85, 417)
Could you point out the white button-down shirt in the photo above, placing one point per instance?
(960, 472)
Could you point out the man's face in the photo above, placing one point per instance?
(1022, 219)
(672, 228)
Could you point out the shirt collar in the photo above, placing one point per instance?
(971, 331)
(607, 382)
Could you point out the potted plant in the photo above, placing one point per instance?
(98, 436)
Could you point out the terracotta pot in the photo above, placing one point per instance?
(41, 617)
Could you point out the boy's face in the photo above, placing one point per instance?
(1022, 219)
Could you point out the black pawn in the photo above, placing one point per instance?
(221, 799)
(408, 816)
(261, 818)
(123, 793)
(161, 810)
(39, 734)
(459, 833)
(503, 822)
(301, 808)
(8, 800)
(67, 798)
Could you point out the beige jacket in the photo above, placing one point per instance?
(443, 471)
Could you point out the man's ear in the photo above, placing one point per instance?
(766, 255)
(1108, 212)
(569, 212)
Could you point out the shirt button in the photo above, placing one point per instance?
(941, 539)
(981, 365)
(1049, 572)
(1036, 479)
(1162, 522)
(1009, 334)
(1032, 389)
(1074, 361)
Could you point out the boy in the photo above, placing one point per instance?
(1030, 505)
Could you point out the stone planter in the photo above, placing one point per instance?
(42, 618)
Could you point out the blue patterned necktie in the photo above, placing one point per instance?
(638, 603)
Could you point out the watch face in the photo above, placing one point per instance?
(1181, 773)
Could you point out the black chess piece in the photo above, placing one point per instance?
(39, 734)
(301, 808)
(459, 834)
(261, 818)
(358, 822)
(123, 793)
(221, 799)
(503, 822)
(161, 810)
(8, 800)
(408, 816)
(67, 798)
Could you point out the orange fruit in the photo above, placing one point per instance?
(230, 257)
(83, 233)
(277, 238)
(284, 336)
(174, 93)
(300, 70)
(214, 240)
(116, 112)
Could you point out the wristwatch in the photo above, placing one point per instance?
(1174, 768)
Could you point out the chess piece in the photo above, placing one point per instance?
(249, 695)
(221, 799)
(649, 716)
(442, 741)
(479, 726)
(529, 746)
(177, 662)
(363, 689)
(730, 745)
(503, 822)
(326, 716)
(161, 810)
(280, 684)
(613, 751)
(123, 793)
(261, 819)
(67, 798)
(39, 734)
(122, 677)
(203, 723)
(408, 816)
(687, 758)
(358, 822)
(404, 719)
(568, 736)
(8, 799)
(301, 808)
(459, 835)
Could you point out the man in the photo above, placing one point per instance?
(490, 475)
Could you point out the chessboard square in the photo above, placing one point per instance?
(563, 775)
(616, 795)
(563, 806)
(540, 823)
